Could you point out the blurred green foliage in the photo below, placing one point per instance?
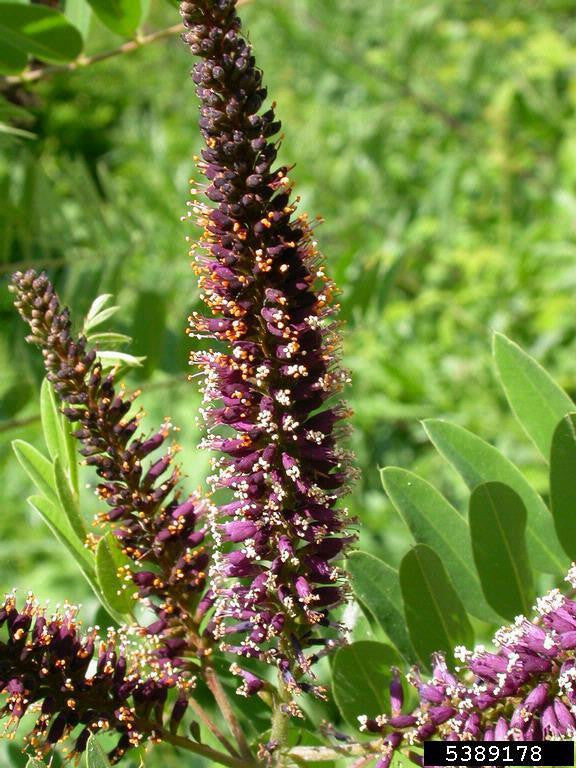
(438, 141)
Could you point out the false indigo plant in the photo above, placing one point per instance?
(250, 574)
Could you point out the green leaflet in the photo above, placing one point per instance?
(436, 619)
(562, 487)
(361, 679)
(35, 30)
(478, 462)
(109, 558)
(120, 16)
(435, 522)
(55, 518)
(536, 400)
(37, 467)
(497, 524)
(95, 755)
(376, 586)
(57, 433)
(68, 500)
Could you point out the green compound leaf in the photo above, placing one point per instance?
(478, 462)
(432, 520)
(376, 586)
(562, 486)
(95, 755)
(37, 467)
(361, 679)
(109, 558)
(436, 619)
(536, 400)
(120, 16)
(33, 763)
(497, 525)
(36, 30)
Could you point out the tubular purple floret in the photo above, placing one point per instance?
(264, 283)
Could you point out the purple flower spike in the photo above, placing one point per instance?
(46, 665)
(523, 691)
(155, 528)
(272, 382)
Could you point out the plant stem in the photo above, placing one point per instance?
(213, 682)
(32, 75)
(280, 722)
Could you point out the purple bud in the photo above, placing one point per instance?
(396, 692)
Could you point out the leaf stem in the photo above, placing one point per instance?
(33, 75)
(318, 754)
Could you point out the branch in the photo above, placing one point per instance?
(33, 75)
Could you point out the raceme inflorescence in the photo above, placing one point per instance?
(269, 386)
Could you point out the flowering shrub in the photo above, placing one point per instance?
(247, 581)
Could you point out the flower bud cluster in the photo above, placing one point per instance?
(271, 380)
(156, 528)
(524, 691)
(78, 683)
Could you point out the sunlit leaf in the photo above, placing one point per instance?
(68, 500)
(57, 435)
(37, 467)
(58, 523)
(95, 755)
(79, 13)
(562, 485)
(120, 16)
(109, 558)
(36, 30)
(537, 401)
(433, 521)
(112, 358)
